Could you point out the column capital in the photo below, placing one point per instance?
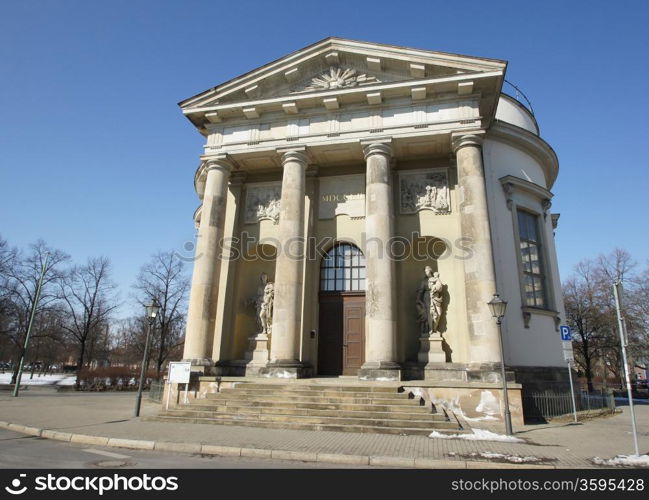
(219, 162)
(377, 147)
(295, 154)
(472, 138)
(238, 178)
(312, 171)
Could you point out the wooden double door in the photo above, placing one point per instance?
(341, 335)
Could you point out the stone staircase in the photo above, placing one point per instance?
(348, 408)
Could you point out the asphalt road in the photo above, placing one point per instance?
(18, 451)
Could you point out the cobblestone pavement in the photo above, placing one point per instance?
(110, 415)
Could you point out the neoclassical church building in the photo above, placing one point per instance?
(360, 204)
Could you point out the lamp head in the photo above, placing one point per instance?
(152, 309)
(497, 306)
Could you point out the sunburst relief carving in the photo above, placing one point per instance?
(339, 78)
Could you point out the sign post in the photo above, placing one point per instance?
(179, 373)
(29, 326)
(617, 291)
(566, 337)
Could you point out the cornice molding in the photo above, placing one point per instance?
(398, 88)
(512, 184)
(328, 47)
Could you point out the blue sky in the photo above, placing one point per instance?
(96, 158)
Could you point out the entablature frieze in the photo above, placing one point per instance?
(450, 87)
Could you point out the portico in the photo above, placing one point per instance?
(337, 176)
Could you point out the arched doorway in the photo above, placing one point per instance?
(341, 337)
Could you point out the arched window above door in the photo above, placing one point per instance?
(343, 269)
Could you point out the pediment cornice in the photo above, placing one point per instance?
(337, 67)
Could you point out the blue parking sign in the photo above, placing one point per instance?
(565, 332)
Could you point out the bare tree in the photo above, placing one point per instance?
(7, 256)
(591, 312)
(88, 299)
(127, 346)
(588, 324)
(164, 279)
(18, 289)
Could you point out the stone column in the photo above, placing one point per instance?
(380, 304)
(199, 335)
(289, 270)
(226, 306)
(480, 281)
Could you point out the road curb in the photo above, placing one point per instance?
(58, 436)
(221, 451)
(401, 462)
(86, 439)
(193, 448)
(132, 444)
(231, 451)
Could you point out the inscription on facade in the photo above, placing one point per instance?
(342, 195)
(262, 202)
(424, 190)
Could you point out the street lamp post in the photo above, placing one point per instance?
(497, 306)
(151, 313)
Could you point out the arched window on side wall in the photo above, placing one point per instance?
(343, 269)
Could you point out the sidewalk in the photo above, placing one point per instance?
(107, 419)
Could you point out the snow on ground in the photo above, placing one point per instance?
(56, 379)
(514, 459)
(478, 435)
(479, 419)
(627, 460)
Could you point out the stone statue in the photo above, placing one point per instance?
(263, 302)
(429, 303)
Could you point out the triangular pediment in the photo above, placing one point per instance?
(337, 64)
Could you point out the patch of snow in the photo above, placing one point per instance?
(488, 404)
(454, 406)
(478, 435)
(58, 379)
(627, 460)
(278, 374)
(479, 419)
(417, 392)
(508, 458)
(68, 381)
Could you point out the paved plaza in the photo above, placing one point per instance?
(107, 419)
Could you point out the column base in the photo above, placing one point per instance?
(203, 365)
(257, 353)
(431, 350)
(286, 368)
(380, 371)
(479, 373)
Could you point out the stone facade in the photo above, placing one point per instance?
(414, 157)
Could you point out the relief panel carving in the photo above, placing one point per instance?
(262, 202)
(338, 78)
(424, 190)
